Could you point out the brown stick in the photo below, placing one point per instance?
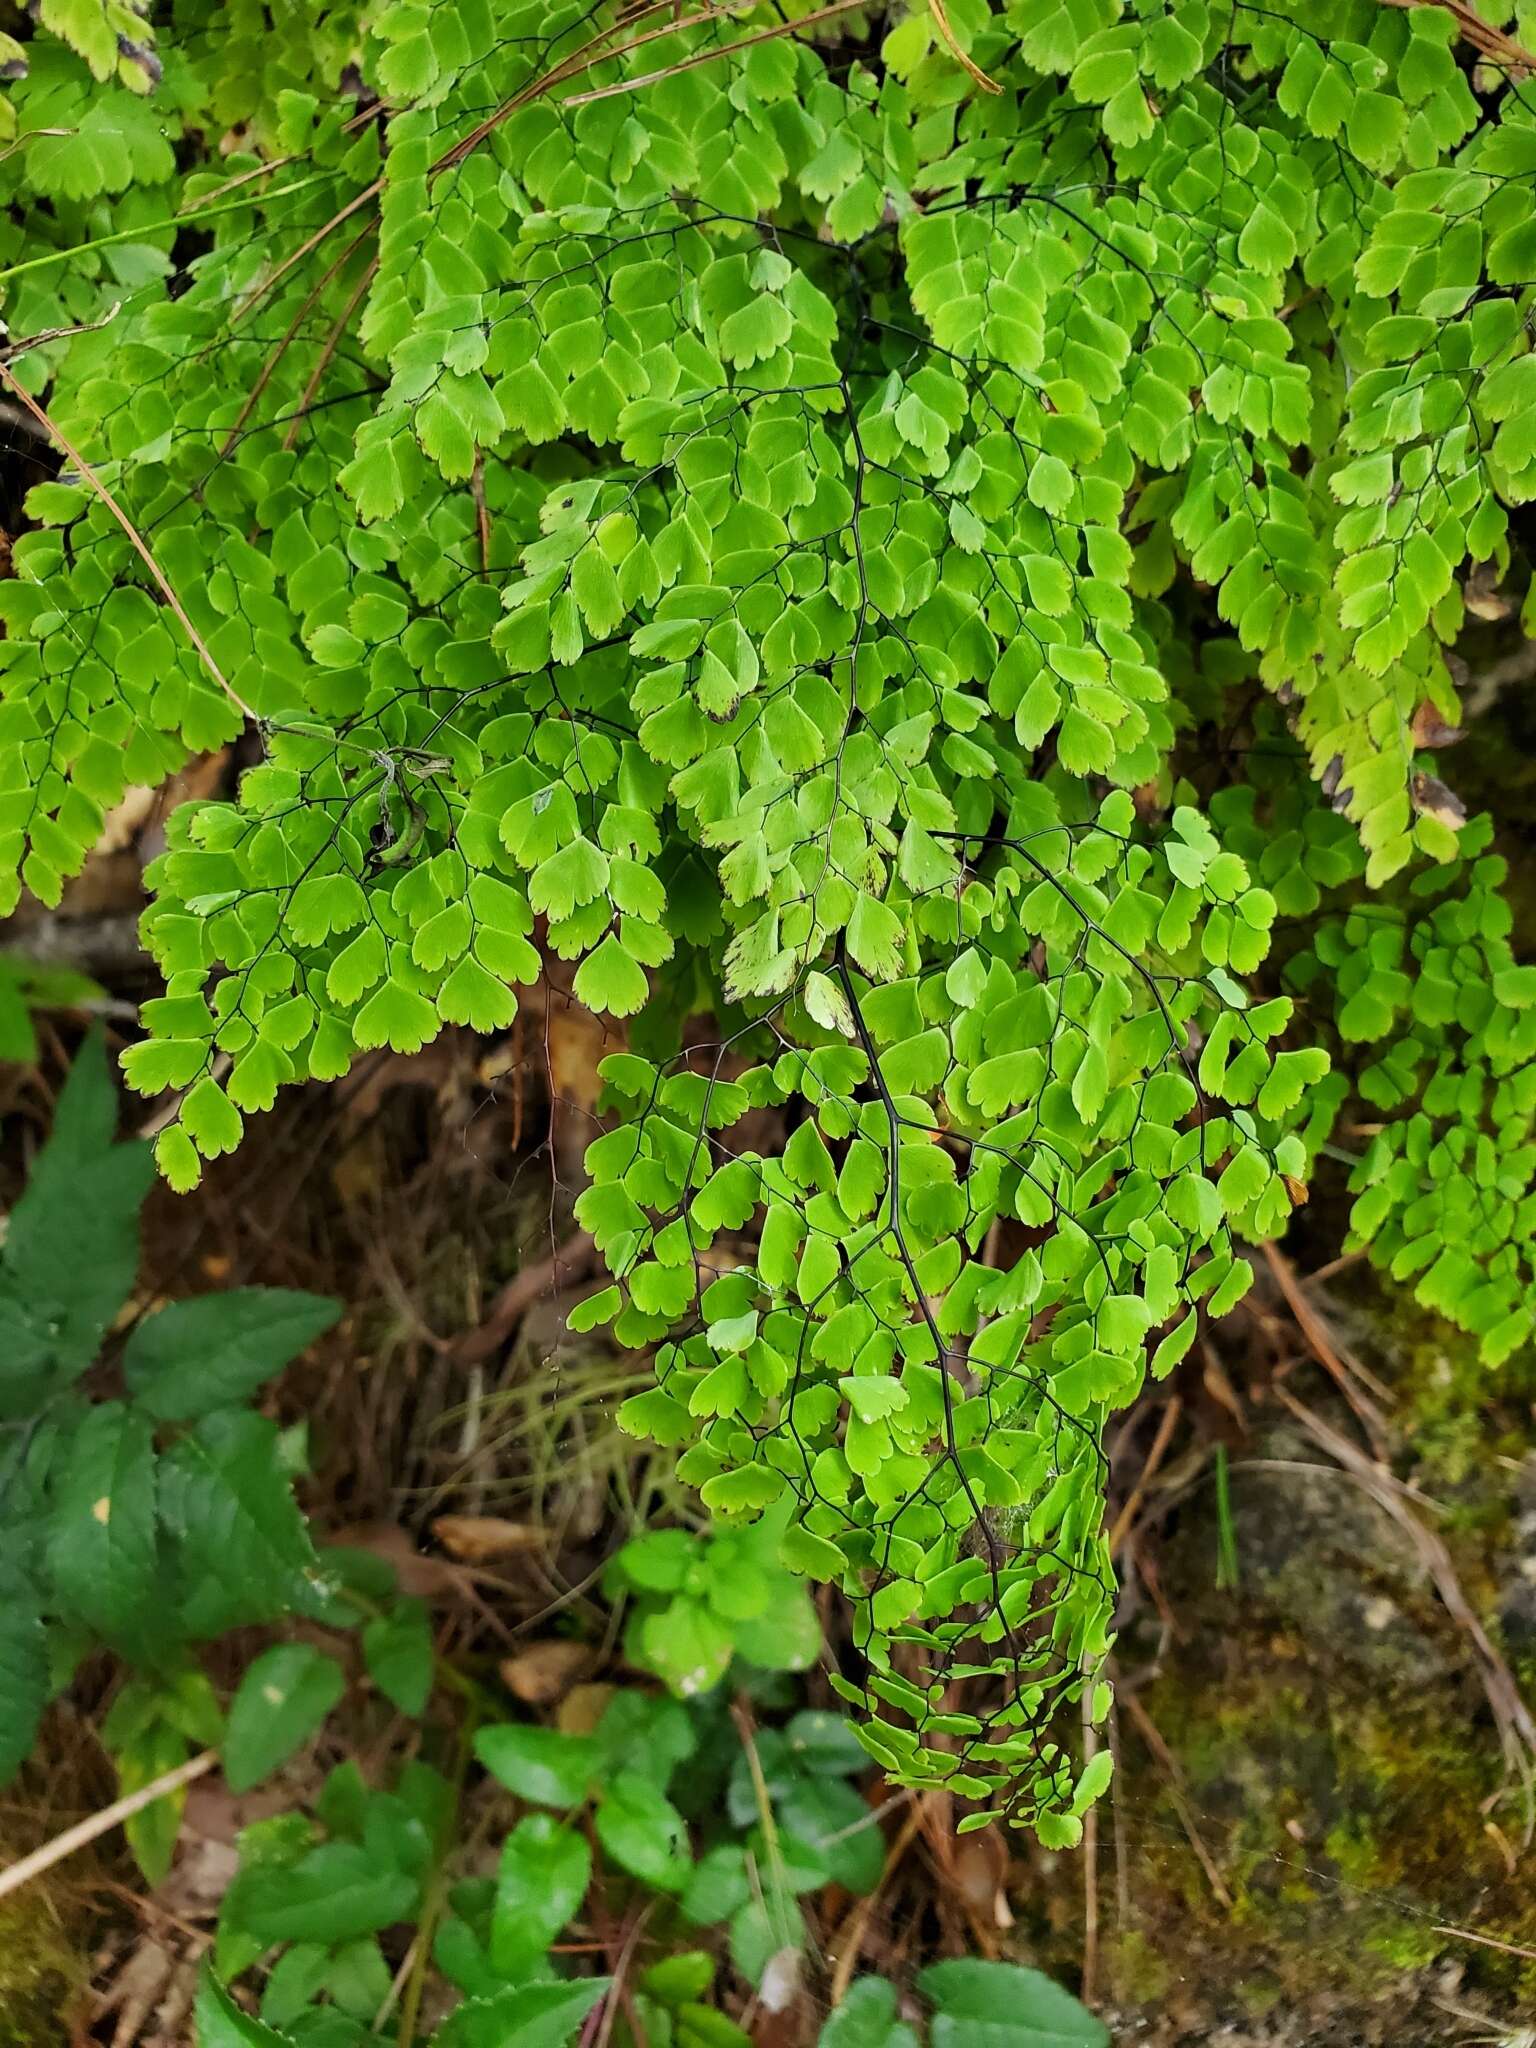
(1090, 1860)
(483, 529)
(270, 284)
(1127, 1514)
(852, 1933)
(572, 1261)
(1508, 1948)
(763, 35)
(962, 57)
(1517, 1729)
(87, 1831)
(280, 348)
(1482, 35)
(328, 349)
(582, 59)
(1315, 1330)
(57, 435)
(1164, 1757)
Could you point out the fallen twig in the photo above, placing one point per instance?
(851, 1935)
(762, 35)
(100, 945)
(84, 1832)
(570, 1261)
(1489, 41)
(963, 58)
(1508, 1948)
(1168, 1763)
(136, 539)
(1090, 1861)
(1322, 1347)
(1165, 1428)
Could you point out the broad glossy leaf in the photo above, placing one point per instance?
(540, 1884)
(526, 2016)
(643, 1832)
(538, 1764)
(399, 1653)
(867, 2018)
(1005, 2005)
(332, 1894)
(282, 1699)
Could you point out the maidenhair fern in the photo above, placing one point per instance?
(753, 502)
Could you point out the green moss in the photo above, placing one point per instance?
(1396, 1938)
(1322, 1789)
(1408, 1945)
(41, 1974)
(1260, 1995)
(1137, 1972)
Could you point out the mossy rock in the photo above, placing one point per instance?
(43, 1974)
(1332, 1738)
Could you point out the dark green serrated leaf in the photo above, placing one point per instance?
(215, 1351)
